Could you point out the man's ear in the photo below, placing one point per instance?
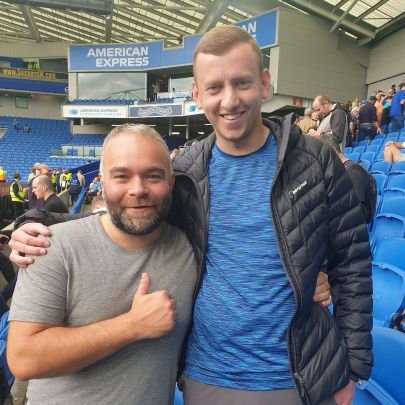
(196, 95)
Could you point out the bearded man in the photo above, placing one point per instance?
(102, 317)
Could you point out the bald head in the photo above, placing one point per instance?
(42, 187)
(133, 132)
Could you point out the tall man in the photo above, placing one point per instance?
(101, 319)
(264, 212)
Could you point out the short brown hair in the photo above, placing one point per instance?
(220, 39)
(322, 99)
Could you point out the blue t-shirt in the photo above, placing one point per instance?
(245, 304)
(396, 107)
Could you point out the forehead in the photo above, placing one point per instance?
(134, 150)
(240, 59)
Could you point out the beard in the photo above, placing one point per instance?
(142, 223)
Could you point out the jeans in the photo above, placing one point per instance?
(366, 131)
(397, 122)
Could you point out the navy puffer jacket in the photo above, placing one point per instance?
(317, 218)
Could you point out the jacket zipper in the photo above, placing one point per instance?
(298, 380)
(204, 248)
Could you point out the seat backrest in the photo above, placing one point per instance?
(390, 251)
(389, 361)
(393, 205)
(381, 166)
(380, 180)
(387, 226)
(388, 292)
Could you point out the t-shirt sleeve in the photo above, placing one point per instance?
(41, 291)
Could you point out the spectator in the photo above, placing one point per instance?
(367, 121)
(42, 188)
(118, 321)
(74, 188)
(33, 201)
(17, 195)
(3, 175)
(15, 124)
(58, 174)
(379, 105)
(94, 189)
(81, 178)
(333, 120)
(155, 90)
(64, 180)
(27, 129)
(307, 123)
(98, 204)
(397, 109)
(392, 151)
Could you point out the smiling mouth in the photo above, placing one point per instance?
(231, 117)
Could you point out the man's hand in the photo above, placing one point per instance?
(25, 241)
(153, 315)
(322, 290)
(312, 132)
(345, 395)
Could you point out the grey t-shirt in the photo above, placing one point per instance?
(85, 278)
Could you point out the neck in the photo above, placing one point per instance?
(47, 196)
(249, 144)
(126, 240)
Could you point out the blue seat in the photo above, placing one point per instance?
(373, 148)
(381, 166)
(178, 397)
(359, 149)
(355, 156)
(398, 166)
(348, 149)
(366, 164)
(386, 384)
(388, 293)
(3, 364)
(4, 326)
(386, 251)
(390, 192)
(387, 226)
(396, 179)
(380, 180)
(370, 156)
(393, 205)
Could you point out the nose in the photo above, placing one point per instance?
(230, 98)
(138, 187)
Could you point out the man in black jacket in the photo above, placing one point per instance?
(310, 215)
(260, 247)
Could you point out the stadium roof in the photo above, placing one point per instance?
(120, 21)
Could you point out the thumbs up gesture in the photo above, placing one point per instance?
(153, 314)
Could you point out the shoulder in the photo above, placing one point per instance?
(75, 228)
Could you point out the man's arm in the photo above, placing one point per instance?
(349, 267)
(36, 350)
(338, 124)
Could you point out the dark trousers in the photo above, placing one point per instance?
(18, 209)
(366, 131)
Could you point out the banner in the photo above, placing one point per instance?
(92, 111)
(31, 74)
(152, 55)
(156, 110)
(190, 108)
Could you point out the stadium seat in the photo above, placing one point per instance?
(359, 149)
(388, 293)
(390, 192)
(348, 149)
(393, 205)
(387, 226)
(373, 148)
(380, 180)
(178, 397)
(381, 166)
(386, 385)
(366, 164)
(396, 179)
(389, 251)
(370, 156)
(355, 156)
(398, 166)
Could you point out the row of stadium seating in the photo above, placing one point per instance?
(19, 151)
